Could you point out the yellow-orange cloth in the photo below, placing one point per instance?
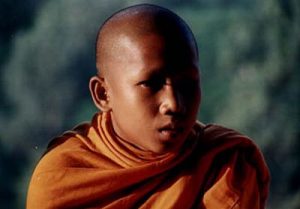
(217, 168)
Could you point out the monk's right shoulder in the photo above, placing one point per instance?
(64, 151)
(58, 155)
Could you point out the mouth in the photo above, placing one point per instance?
(170, 131)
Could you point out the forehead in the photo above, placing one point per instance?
(154, 40)
(155, 53)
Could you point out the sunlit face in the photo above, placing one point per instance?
(154, 93)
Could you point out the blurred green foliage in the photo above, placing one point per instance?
(249, 57)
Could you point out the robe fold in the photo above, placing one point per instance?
(89, 167)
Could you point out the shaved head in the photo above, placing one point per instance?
(148, 77)
(134, 23)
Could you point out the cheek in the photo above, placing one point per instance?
(131, 100)
(152, 101)
(194, 104)
(121, 94)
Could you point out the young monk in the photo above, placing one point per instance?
(145, 149)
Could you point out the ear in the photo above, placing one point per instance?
(98, 91)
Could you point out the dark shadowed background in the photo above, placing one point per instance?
(249, 56)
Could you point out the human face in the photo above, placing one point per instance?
(154, 91)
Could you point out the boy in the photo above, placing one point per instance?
(145, 149)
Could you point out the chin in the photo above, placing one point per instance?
(165, 147)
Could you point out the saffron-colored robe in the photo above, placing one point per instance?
(217, 168)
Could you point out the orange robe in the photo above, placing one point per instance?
(217, 168)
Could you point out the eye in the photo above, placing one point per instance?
(153, 84)
(188, 85)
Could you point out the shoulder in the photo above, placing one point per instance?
(220, 144)
(236, 163)
(70, 139)
(67, 150)
(214, 135)
(63, 160)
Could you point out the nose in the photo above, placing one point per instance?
(172, 102)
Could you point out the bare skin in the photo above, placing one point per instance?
(148, 79)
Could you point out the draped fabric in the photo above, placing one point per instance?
(89, 167)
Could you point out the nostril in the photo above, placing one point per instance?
(173, 105)
(176, 115)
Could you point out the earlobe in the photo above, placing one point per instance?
(98, 91)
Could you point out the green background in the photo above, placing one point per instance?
(249, 56)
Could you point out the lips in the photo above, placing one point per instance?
(170, 131)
